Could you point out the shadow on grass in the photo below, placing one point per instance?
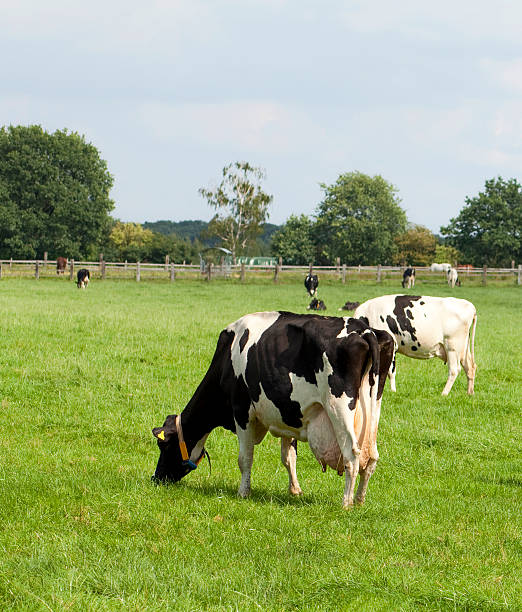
(258, 495)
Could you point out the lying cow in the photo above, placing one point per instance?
(408, 278)
(349, 305)
(316, 304)
(311, 283)
(426, 327)
(82, 277)
(305, 377)
(453, 278)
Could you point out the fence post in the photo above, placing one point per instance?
(310, 268)
(519, 277)
(10, 264)
(338, 266)
(172, 273)
(379, 273)
(359, 272)
(209, 271)
(344, 273)
(71, 269)
(484, 275)
(242, 273)
(276, 273)
(125, 267)
(101, 259)
(103, 269)
(166, 262)
(280, 261)
(45, 259)
(37, 269)
(138, 272)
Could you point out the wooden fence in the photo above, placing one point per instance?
(172, 272)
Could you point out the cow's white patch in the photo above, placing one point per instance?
(256, 323)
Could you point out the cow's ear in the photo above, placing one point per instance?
(168, 429)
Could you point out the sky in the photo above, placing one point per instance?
(426, 94)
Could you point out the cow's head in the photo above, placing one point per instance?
(171, 465)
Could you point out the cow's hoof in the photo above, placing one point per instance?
(295, 491)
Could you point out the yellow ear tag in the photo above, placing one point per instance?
(161, 435)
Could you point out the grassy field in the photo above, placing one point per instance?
(84, 376)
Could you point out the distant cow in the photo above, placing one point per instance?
(440, 267)
(83, 277)
(426, 327)
(408, 278)
(349, 306)
(316, 304)
(453, 278)
(61, 264)
(311, 283)
(302, 377)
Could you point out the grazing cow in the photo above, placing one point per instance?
(311, 283)
(408, 278)
(301, 377)
(61, 263)
(442, 267)
(426, 327)
(349, 306)
(316, 304)
(83, 277)
(453, 278)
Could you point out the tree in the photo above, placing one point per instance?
(358, 220)
(445, 253)
(488, 229)
(241, 204)
(54, 194)
(130, 241)
(294, 241)
(416, 247)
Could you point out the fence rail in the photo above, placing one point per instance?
(172, 272)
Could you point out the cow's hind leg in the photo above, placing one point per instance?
(470, 367)
(453, 369)
(364, 479)
(289, 459)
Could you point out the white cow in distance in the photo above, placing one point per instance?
(453, 277)
(440, 267)
(424, 327)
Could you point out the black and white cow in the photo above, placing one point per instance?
(301, 377)
(408, 278)
(311, 283)
(426, 327)
(82, 277)
(316, 304)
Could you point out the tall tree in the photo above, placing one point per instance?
(358, 220)
(488, 230)
(54, 194)
(241, 204)
(416, 247)
(294, 241)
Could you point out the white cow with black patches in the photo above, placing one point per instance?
(424, 327)
(300, 377)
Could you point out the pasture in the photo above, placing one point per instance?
(85, 375)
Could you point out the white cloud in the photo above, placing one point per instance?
(506, 73)
(254, 125)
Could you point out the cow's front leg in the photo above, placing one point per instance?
(289, 459)
(392, 372)
(248, 438)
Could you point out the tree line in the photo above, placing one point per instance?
(55, 198)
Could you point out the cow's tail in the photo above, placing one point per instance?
(373, 345)
(473, 328)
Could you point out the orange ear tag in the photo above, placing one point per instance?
(161, 435)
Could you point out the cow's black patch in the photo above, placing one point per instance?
(402, 302)
(392, 324)
(422, 303)
(244, 340)
(409, 314)
(402, 342)
(382, 318)
(413, 348)
(364, 320)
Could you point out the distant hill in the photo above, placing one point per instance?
(192, 230)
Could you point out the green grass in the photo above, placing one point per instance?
(85, 375)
